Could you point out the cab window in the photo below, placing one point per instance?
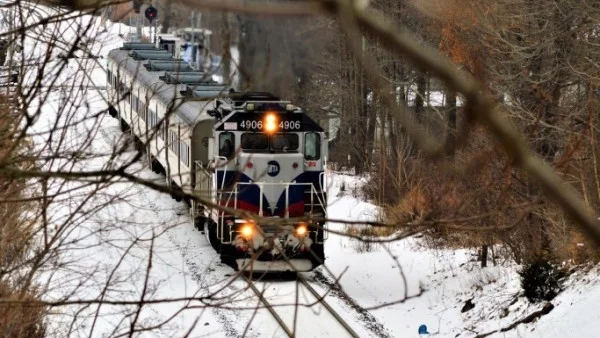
(284, 142)
(226, 145)
(312, 146)
(255, 141)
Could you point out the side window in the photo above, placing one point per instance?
(152, 119)
(226, 145)
(312, 146)
(184, 150)
(142, 109)
(174, 142)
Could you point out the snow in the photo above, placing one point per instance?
(576, 312)
(385, 290)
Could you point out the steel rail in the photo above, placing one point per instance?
(321, 300)
(269, 307)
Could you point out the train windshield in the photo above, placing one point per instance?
(260, 142)
(255, 141)
(284, 142)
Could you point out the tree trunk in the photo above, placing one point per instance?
(226, 36)
(360, 124)
(344, 150)
(484, 256)
(254, 54)
(421, 83)
(451, 123)
(166, 22)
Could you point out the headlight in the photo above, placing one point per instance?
(270, 123)
(301, 230)
(249, 106)
(247, 231)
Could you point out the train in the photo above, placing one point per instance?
(250, 165)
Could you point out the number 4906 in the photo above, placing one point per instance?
(289, 125)
(251, 124)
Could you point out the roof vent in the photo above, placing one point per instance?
(254, 96)
(138, 45)
(184, 77)
(151, 55)
(209, 94)
(206, 90)
(170, 66)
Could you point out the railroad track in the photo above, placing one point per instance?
(319, 299)
(370, 322)
(327, 306)
(268, 306)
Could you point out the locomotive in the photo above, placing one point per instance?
(257, 160)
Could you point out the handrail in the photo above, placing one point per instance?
(322, 183)
(236, 190)
(321, 175)
(261, 185)
(203, 177)
(220, 195)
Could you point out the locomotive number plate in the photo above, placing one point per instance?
(256, 122)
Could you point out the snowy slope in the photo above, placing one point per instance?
(448, 278)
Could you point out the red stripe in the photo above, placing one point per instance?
(248, 207)
(295, 210)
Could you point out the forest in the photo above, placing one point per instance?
(433, 163)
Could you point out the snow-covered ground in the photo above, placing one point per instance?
(120, 242)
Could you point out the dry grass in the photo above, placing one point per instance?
(479, 199)
(22, 320)
(16, 236)
(475, 199)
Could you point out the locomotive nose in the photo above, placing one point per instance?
(278, 175)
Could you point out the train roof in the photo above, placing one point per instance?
(197, 101)
(190, 111)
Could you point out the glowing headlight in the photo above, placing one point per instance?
(301, 230)
(247, 231)
(250, 106)
(270, 123)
